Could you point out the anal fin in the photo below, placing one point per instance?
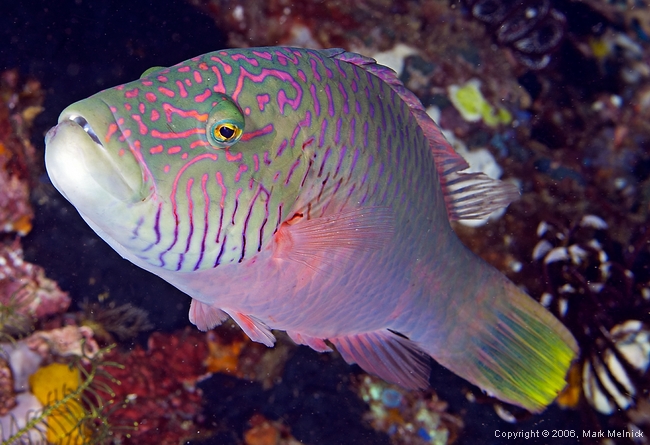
(205, 317)
(254, 328)
(317, 344)
(387, 355)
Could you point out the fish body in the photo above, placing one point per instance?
(308, 191)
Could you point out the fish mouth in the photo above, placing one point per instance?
(83, 123)
(85, 170)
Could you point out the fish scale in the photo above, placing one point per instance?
(308, 191)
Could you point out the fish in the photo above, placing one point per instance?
(308, 191)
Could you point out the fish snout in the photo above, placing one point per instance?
(86, 171)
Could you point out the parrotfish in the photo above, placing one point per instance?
(308, 191)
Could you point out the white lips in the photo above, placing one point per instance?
(82, 169)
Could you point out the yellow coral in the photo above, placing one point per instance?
(600, 48)
(51, 384)
(569, 397)
(223, 358)
(23, 225)
(471, 104)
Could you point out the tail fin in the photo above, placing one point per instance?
(510, 346)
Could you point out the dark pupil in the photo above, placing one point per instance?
(226, 132)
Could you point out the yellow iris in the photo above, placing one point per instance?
(226, 132)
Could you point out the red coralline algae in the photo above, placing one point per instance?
(158, 387)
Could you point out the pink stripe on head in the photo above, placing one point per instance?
(226, 68)
(166, 91)
(239, 56)
(263, 54)
(241, 169)
(200, 98)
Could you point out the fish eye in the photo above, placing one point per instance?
(225, 124)
(226, 132)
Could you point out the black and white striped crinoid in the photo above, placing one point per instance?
(532, 29)
(601, 290)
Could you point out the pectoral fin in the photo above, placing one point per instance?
(326, 240)
(205, 317)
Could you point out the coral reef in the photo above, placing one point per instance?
(26, 294)
(20, 103)
(408, 417)
(160, 382)
(265, 432)
(158, 387)
(531, 29)
(471, 104)
(49, 389)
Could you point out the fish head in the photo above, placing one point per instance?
(94, 173)
(178, 169)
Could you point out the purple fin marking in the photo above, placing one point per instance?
(254, 328)
(391, 357)
(205, 317)
(317, 344)
(447, 159)
(467, 195)
(476, 195)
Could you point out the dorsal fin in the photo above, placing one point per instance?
(467, 195)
